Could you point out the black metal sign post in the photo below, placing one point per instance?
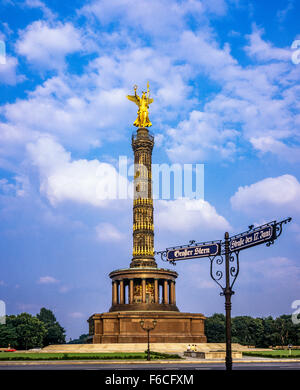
(228, 292)
(228, 250)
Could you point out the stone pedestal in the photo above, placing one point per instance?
(124, 327)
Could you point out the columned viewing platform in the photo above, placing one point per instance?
(143, 289)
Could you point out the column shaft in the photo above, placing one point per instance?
(131, 291)
(156, 296)
(174, 294)
(143, 290)
(114, 292)
(121, 292)
(166, 292)
(171, 292)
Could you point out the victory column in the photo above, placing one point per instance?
(143, 292)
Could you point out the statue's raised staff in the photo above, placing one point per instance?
(143, 103)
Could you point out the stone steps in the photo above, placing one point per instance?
(141, 347)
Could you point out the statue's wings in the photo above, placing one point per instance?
(150, 101)
(134, 98)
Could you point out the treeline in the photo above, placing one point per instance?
(81, 340)
(24, 331)
(259, 332)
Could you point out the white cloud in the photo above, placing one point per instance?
(47, 280)
(80, 111)
(136, 66)
(163, 17)
(182, 215)
(12, 136)
(83, 181)
(77, 314)
(46, 46)
(271, 145)
(68, 106)
(270, 195)
(218, 7)
(276, 270)
(108, 233)
(17, 188)
(8, 71)
(265, 51)
(48, 155)
(39, 4)
(201, 49)
(254, 100)
(200, 138)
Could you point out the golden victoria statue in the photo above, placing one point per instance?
(143, 103)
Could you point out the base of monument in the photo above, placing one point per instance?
(124, 327)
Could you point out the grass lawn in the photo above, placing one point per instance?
(281, 353)
(82, 356)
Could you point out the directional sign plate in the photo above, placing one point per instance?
(193, 252)
(252, 238)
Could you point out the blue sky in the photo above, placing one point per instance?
(226, 95)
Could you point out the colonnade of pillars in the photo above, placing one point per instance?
(164, 291)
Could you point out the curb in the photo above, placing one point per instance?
(127, 362)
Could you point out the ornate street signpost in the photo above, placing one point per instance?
(228, 250)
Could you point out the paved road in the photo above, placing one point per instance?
(152, 367)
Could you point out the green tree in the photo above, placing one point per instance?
(247, 330)
(55, 333)
(46, 315)
(215, 328)
(294, 331)
(286, 332)
(261, 332)
(268, 339)
(29, 329)
(8, 334)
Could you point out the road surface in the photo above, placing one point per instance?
(76, 365)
